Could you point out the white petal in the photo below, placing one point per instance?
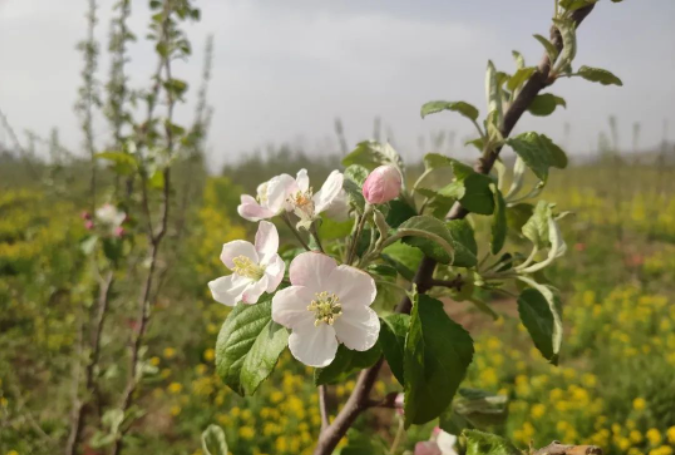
(249, 209)
(354, 287)
(313, 346)
(253, 292)
(329, 191)
(446, 442)
(278, 190)
(237, 248)
(289, 306)
(266, 241)
(338, 210)
(275, 273)
(358, 327)
(312, 270)
(302, 180)
(229, 289)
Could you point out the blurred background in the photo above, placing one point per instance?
(275, 87)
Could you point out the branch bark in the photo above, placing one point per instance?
(359, 399)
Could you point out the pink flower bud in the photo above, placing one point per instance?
(85, 215)
(382, 185)
(427, 448)
(119, 231)
(89, 225)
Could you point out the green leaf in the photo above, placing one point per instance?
(437, 354)
(518, 57)
(498, 221)
(430, 235)
(124, 163)
(540, 310)
(355, 175)
(518, 215)
(399, 212)
(404, 257)
(371, 154)
(568, 30)
(330, 229)
(393, 330)
(248, 347)
(573, 5)
(474, 408)
(551, 50)
(599, 75)
(544, 104)
(464, 242)
(538, 152)
(493, 93)
(213, 441)
(536, 229)
(433, 161)
(520, 77)
(477, 197)
(479, 443)
(176, 87)
(465, 109)
(346, 362)
(388, 295)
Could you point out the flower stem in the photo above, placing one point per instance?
(398, 437)
(357, 235)
(295, 232)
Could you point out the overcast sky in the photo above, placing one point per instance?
(284, 70)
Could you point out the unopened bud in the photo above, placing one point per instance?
(382, 185)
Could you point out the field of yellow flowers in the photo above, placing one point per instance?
(615, 387)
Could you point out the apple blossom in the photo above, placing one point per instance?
(325, 305)
(255, 268)
(284, 192)
(382, 185)
(109, 215)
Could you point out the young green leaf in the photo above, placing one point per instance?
(213, 441)
(434, 161)
(346, 362)
(430, 235)
(248, 347)
(438, 352)
(463, 108)
(493, 93)
(393, 330)
(518, 57)
(599, 75)
(498, 221)
(538, 152)
(537, 229)
(573, 5)
(477, 197)
(544, 104)
(520, 77)
(551, 50)
(479, 443)
(478, 408)
(371, 154)
(540, 311)
(568, 30)
(464, 242)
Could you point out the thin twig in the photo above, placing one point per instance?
(323, 406)
(358, 400)
(295, 232)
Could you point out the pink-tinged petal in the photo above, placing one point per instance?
(358, 327)
(254, 291)
(354, 287)
(275, 273)
(338, 210)
(266, 241)
(382, 185)
(302, 180)
(289, 306)
(312, 270)
(229, 289)
(312, 345)
(427, 448)
(249, 209)
(278, 190)
(329, 191)
(446, 443)
(235, 249)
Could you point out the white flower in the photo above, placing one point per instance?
(446, 442)
(255, 269)
(109, 215)
(284, 192)
(327, 304)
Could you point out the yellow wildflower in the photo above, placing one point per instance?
(175, 388)
(169, 353)
(209, 354)
(639, 404)
(654, 436)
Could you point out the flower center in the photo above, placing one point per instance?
(262, 194)
(244, 266)
(326, 308)
(302, 203)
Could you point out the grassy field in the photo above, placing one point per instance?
(615, 386)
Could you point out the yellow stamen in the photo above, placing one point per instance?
(326, 308)
(244, 266)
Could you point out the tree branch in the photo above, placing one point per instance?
(358, 400)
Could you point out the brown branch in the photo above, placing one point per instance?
(359, 399)
(323, 407)
(455, 283)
